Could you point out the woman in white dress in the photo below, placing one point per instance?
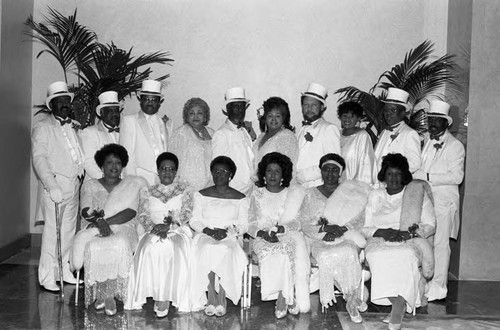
(279, 245)
(399, 218)
(332, 217)
(106, 247)
(277, 133)
(192, 144)
(163, 260)
(220, 218)
(356, 144)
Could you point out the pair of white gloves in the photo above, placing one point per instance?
(56, 194)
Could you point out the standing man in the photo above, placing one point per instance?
(106, 131)
(58, 163)
(144, 134)
(316, 138)
(443, 168)
(233, 140)
(397, 137)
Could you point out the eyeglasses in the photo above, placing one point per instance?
(167, 169)
(330, 169)
(221, 171)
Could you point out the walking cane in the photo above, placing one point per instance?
(59, 249)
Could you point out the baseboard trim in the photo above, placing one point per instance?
(15, 247)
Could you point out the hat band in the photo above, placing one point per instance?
(316, 95)
(395, 101)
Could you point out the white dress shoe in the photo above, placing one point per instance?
(52, 287)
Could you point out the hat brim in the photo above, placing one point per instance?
(433, 114)
(406, 105)
(106, 105)
(247, 101)
(50, 98)
(314, 96)
(139, 94)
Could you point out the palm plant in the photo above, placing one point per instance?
(420, 76)
(98, 67)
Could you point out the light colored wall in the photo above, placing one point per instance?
(480, 226)
(15, 126)
(269, 47)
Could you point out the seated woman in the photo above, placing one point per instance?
(163, 259)
(105, 248)
(355, 144)
(220, 218)
(279, 245)
(331, 217)
(399, 217)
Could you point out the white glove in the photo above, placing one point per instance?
(56, 195)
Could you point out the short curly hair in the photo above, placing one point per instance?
(353, 107)
(395, 161)
(275, 158)
(275, 102)
(224, 160)
(167, 156)
(192, 102)
(332, 156)
(111, 149)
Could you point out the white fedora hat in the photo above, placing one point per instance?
(57, 89)
(316, 91)
(397, 96)
(107, 99)
(151, 88)
(235, 94)
(440, 109)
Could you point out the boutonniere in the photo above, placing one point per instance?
(394, 136)
(438, 145)
(76, 126)
(308, 137)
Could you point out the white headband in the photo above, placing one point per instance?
(331, 161)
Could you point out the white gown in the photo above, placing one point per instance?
(194, 156)
(226, 257)
(163, 268)
(357, 151)
(281, 265)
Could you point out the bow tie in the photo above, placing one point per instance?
(435, 137)
(114, 129)
(306, 123)
(64, 121)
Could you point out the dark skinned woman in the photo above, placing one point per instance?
(220, 218)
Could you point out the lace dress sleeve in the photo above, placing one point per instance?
(143, 212)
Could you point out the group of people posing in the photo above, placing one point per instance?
(164, 210)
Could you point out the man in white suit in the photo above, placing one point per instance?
(58, 163)
(106, 131)
(233, 140)
(144, 134)
(316, 138)
(397, 137)
(443, 167)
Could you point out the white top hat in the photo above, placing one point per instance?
(57, 89)
(235, 94)
(107, 99)
(150, 87)
(440, 109)
(397, 96)
(316, 91)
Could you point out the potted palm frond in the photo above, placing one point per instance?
(98, 67)
(419, 75)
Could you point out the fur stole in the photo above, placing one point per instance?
(293, 202)
(125, 195)
(411, 212)
(347, 205)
